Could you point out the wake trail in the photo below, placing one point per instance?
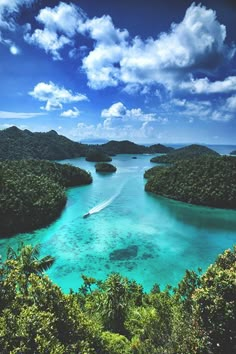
(106, 203)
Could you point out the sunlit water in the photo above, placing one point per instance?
(161, 238)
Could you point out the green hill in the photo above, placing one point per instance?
(16, 144)
(105, 167)
(32, 193)
(97, 155)
(206, 180)
(128, 147)
(185, 153)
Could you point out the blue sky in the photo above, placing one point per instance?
(147, 71)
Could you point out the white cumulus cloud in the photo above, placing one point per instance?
(218, 110)
(60, 25)
(173, 59)
(55, 96)
(71, 113)
(194, 45)
(205, 86)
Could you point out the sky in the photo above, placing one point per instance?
(143, 70)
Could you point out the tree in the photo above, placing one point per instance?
(26, 261)
(114, 307)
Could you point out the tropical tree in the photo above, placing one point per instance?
(26, 261)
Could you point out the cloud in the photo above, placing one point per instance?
(8, 9)
(119, 113)
(205, 86)
(120, 123)
(71, 113)
(231, 104)
(55, 96)
(194, 45)
(50, 41)
(172, 59)
(60, 25)
(218, 110)
(19, 115)
(116, 110)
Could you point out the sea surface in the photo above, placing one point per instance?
(147, 238)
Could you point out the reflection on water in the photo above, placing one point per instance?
(144, 237)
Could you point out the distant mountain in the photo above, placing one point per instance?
(185, 153)
(16, 144)
(128, 147)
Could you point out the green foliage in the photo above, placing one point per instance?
(32, 193)
(97, 155)
(128, 147)
(115, 316)
(215, 303)
(19, 144)
(16, 144)
(105, 167)
(207, 180)
(185, 153)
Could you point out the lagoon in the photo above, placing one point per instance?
(147, 238)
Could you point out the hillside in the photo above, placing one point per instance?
(128, 147)
(185, 153)
(32, 193)
(16, 144)
(115, 315)
(105, 167)
(207, 180)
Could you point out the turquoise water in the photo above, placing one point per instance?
(160, 238)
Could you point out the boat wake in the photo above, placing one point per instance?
(102, 205)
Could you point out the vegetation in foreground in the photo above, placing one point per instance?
(115, 316)
(208, 180)
(105, 167)
(185, 153)
(32, 193)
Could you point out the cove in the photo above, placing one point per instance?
(147, 238)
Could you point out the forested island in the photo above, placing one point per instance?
(105, 167)
(207, 180)
(32, 193)
(128, 147)
(185, 153)
(97, 156)
(17, 144)
(115, 316)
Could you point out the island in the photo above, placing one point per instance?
(105, 167)
(207, 180)
(185, 153)
(97, 156)
(32, 193)
(17, 144)
(128, 147)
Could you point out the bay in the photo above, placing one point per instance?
(147, 238)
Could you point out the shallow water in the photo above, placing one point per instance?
(161, 238)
